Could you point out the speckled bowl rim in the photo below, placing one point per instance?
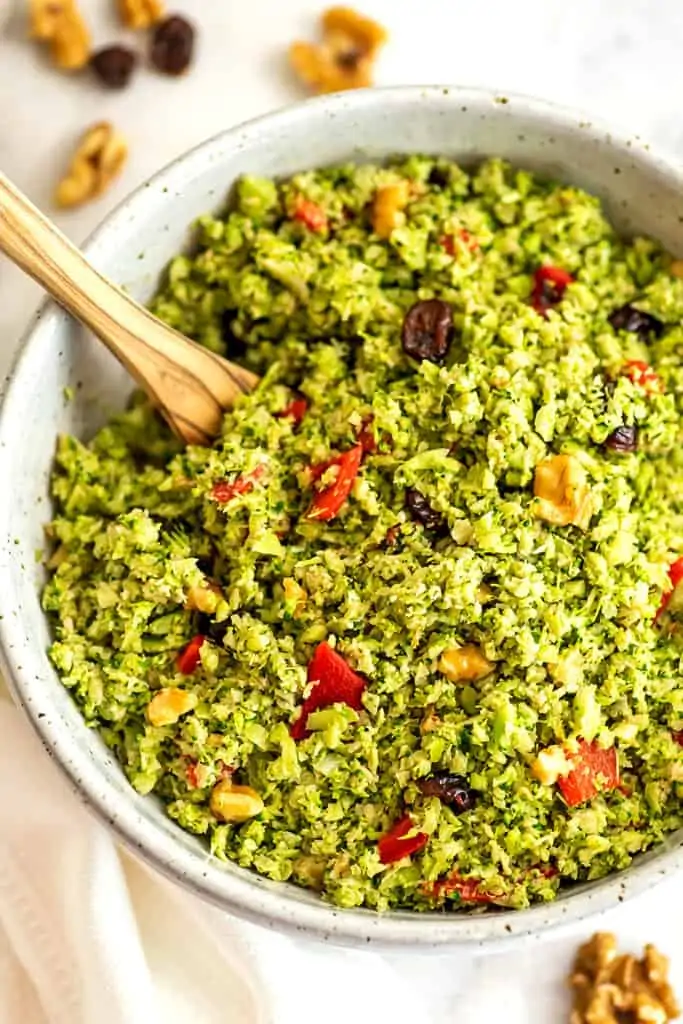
(241, 893)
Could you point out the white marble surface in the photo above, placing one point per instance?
(619, 60)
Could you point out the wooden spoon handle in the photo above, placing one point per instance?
(39, 248)
(191, 385)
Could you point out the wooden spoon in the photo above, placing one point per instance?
(191, 386)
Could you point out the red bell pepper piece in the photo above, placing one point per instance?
(225, 490)
(675, 577)
(549, 285)
(469, 889)
(329, 501)
(397, 844)
(310, 214)
(188, 659)
(678, 737)
(296, 410)
(191, 775)
(643, 375)
(334, 681)
(392, 535)
(447, 242)
(595, 770)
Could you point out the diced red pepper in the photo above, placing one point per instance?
(191, 775)
(225, 490)
(469, 889)
(678, 737)
(596, 770)
(392, 535)
(188, 659)
(675, 577)
(549, 286)
(310, 214)
(448, 242)
(397, 844)
(329, 500)
(296, 410)
(197, 774)
(642, 374)
(335, 682)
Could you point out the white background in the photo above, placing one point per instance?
(620, 59)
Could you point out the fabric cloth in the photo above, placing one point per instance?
(89, 936)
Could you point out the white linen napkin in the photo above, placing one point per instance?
(89, 936)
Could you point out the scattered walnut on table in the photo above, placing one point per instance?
(620, 989)
(344, 58)
(101, 154)
(140, 13)
(59, 23)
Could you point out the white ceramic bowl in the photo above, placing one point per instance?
(642, 193)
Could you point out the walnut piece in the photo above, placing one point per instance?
(464, 664)
(295, 597)
(59, 23)
(310, 870)
(169, 704)
(562, 492)
(430, 720)
(345, 57)
(234, 803)
(203, 598)
(612, 989)
(387, 208)
(101, 154)
(551, 764)
(140, 13)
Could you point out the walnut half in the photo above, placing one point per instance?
(140, 13)
(612, 989)
(100, 156)
(59, 23)
(345, 57)
(562, 492)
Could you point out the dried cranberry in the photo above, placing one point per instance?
(427, 330)
(422, 512)
(623, 439)
(214, 630)
(635, 321)
(172, 45)
(439, 177)
(450, 789)
(114, 66)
